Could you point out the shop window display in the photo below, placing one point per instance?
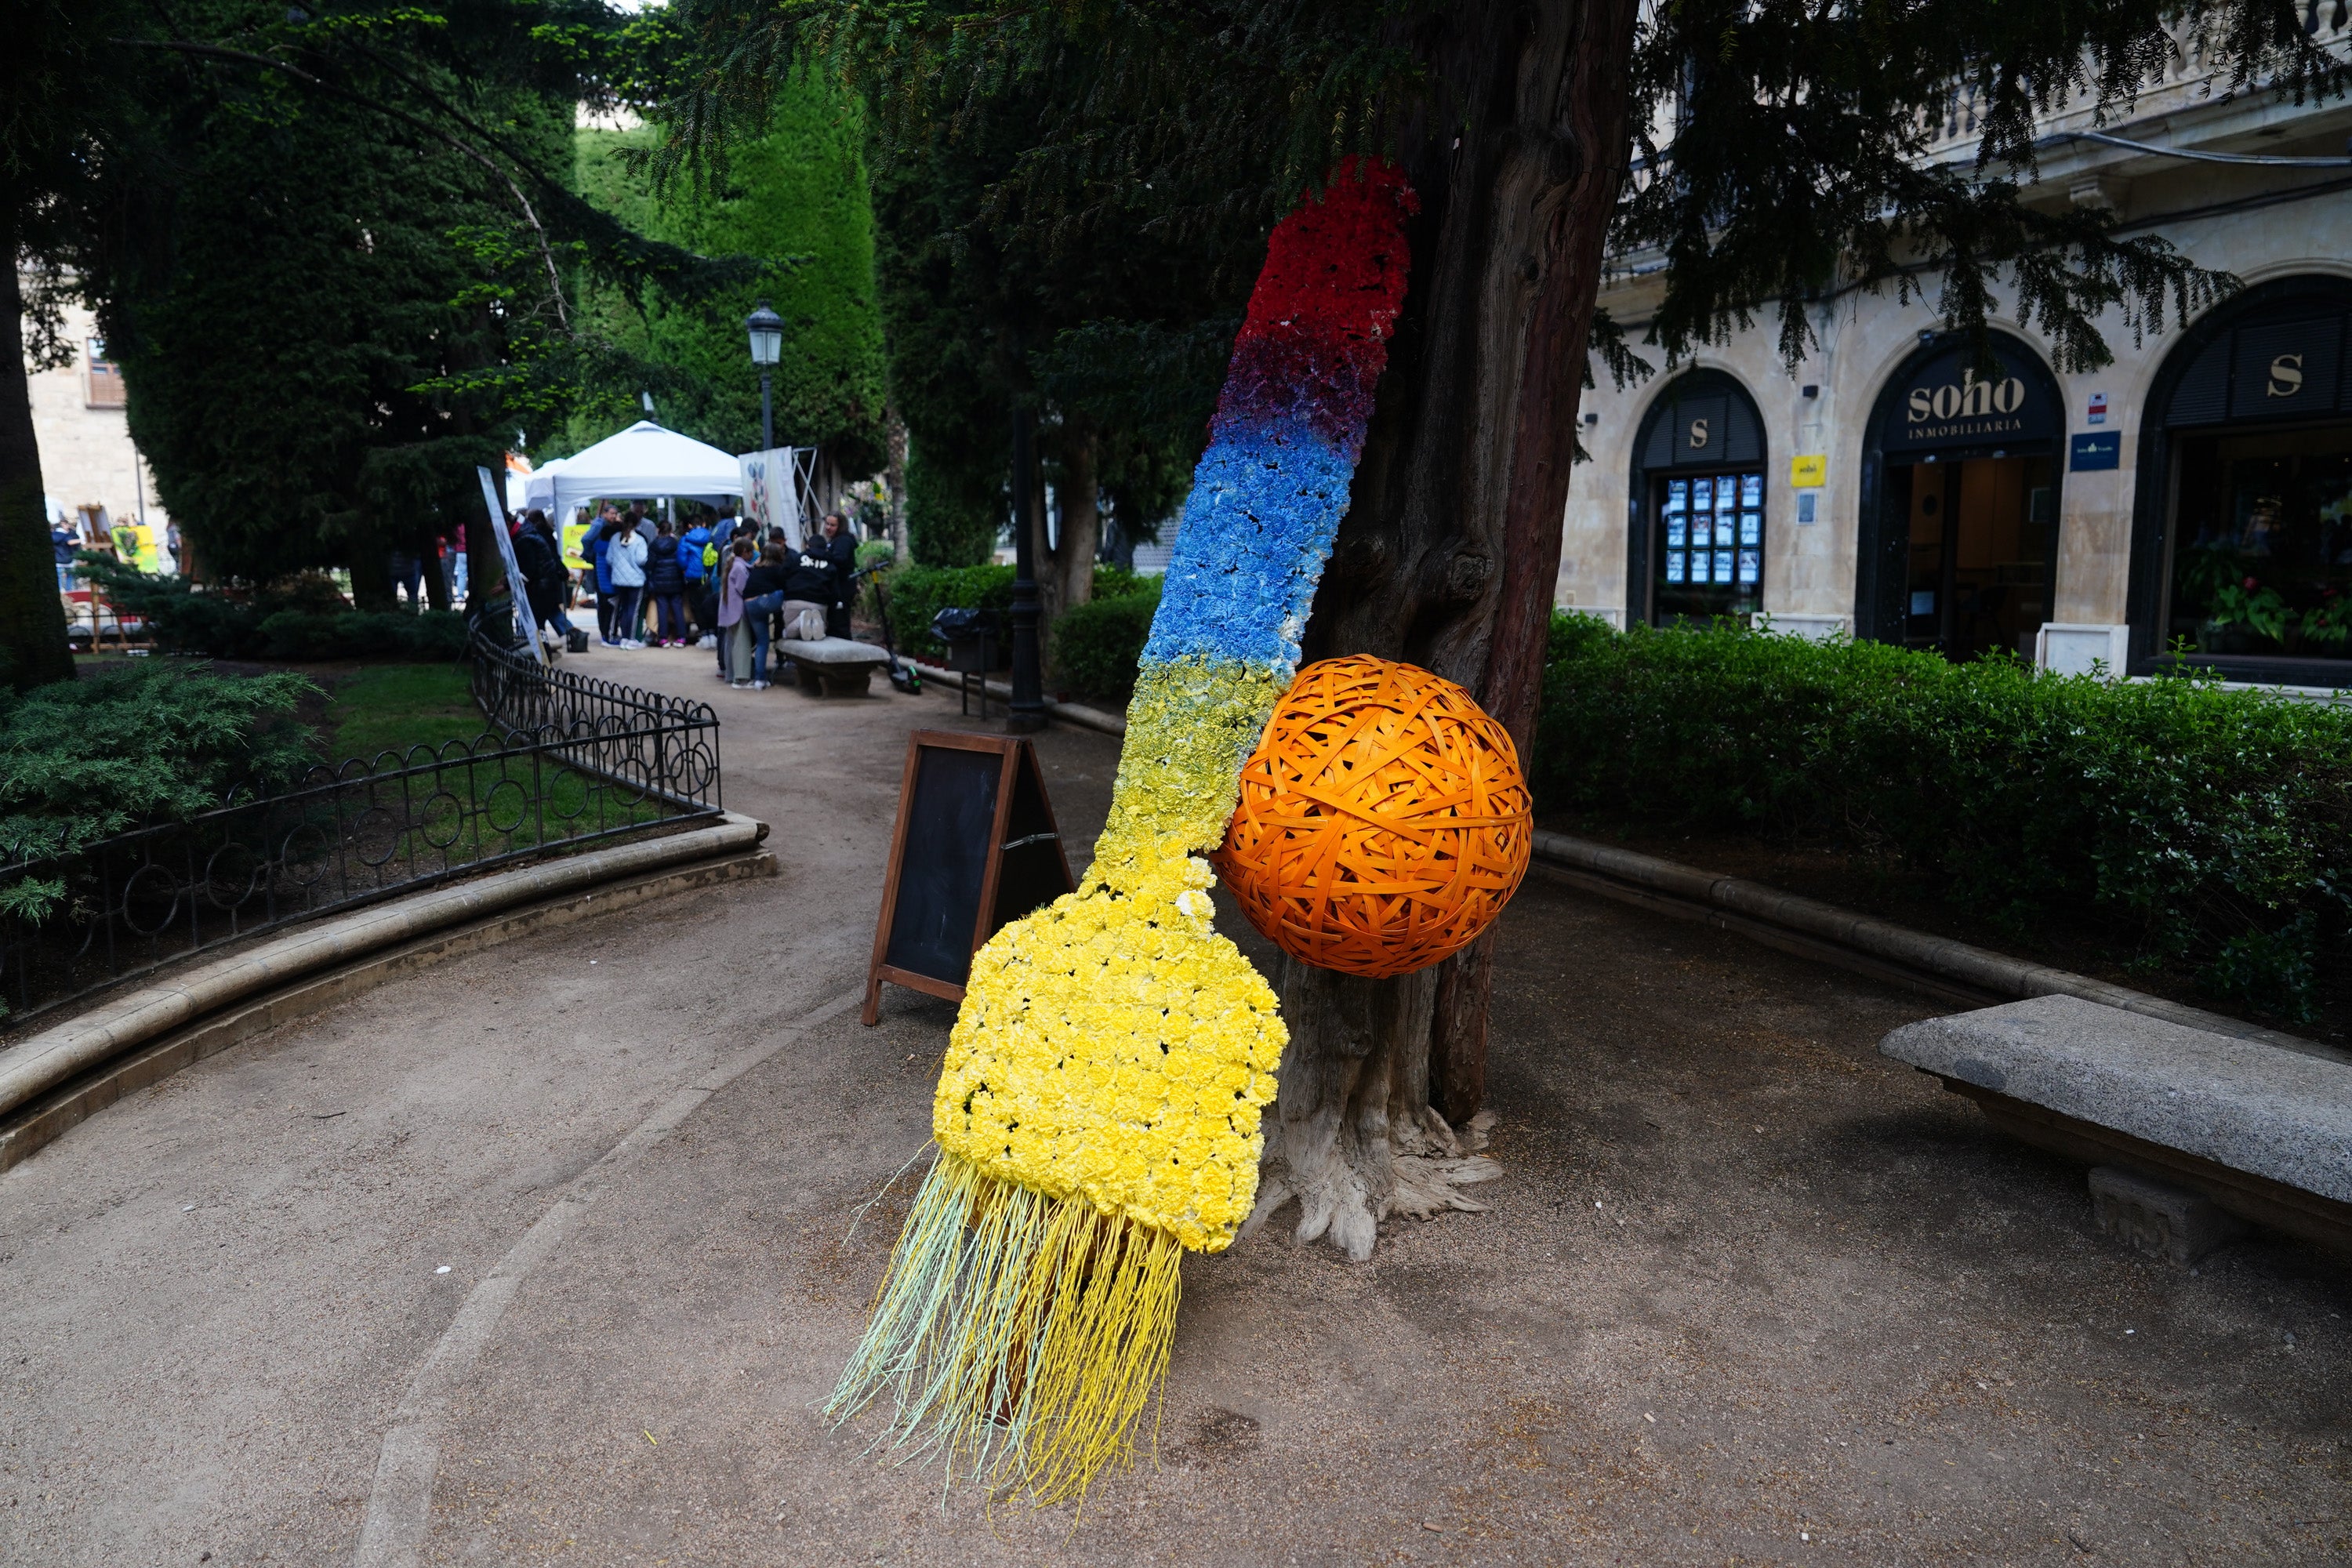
(2264, 563)
(1710, 545)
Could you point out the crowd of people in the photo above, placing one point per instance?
(718, 584)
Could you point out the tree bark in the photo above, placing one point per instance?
(894, 441)
(1449, 552)
(32, 617)
(1081, 531)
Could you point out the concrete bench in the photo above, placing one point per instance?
(2258, 1131)
(835, 666)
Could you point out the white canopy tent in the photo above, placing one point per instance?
(642, 460)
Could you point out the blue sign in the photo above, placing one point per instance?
(2101, 450)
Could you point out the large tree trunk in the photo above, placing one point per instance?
(1449, 552)
(1081, 531)
(894, 441)
(32, 617)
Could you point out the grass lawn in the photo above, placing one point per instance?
(392, 707)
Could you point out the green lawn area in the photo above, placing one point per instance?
(392, 707)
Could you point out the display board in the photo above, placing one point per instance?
(975, 847)
(526, 626)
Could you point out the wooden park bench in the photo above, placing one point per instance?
(836, 667)
(2190, 1132)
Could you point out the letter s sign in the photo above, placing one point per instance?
(1697, 434)
(2286, 375)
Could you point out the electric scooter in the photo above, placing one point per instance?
(903, 673)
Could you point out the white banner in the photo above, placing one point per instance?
(771, 490)
(515, 590)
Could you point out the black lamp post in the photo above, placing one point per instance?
(1026, 712)
(767, 330)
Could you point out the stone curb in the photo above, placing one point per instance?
(1806, 926)
(123, 1024)
(1076, 713)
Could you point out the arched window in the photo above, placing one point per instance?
(1695, 548)
(2241, 538)
(1959, 502)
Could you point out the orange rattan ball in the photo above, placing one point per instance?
(1383, 819)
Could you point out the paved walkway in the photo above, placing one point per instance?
(1748, 1293)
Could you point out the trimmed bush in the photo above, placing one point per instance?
(387, 634)
(919, 592)
(83, 760)
(302, 617)
(1098, 644)
(2193, 827)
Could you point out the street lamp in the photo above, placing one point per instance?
(767, 330)
(1025, 714)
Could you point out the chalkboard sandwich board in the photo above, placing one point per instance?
(975, 850)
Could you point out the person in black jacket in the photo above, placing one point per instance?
(840, 553)
(764, 594)
(544, 580)
(666, 586)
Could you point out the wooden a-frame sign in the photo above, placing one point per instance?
(975, 848)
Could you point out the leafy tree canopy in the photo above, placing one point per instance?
(1778, 154)
(794, 196)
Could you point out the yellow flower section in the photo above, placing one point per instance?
(1112, 1046)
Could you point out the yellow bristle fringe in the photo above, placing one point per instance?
(1017, 1335)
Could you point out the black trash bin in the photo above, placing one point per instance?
(970, 635)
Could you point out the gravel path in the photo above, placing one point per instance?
(1748, 1293)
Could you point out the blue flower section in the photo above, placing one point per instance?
(1256, 530)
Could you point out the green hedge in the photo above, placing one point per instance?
(302, 617)
(2188, 826)
(120, 747)
(1095, 646)
(917, 593)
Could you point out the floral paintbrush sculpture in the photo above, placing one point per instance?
(1098, 1112)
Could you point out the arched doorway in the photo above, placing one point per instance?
(1695, 544)
(2241, 535)
(1959, 502)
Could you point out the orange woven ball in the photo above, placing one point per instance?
(1383, 819)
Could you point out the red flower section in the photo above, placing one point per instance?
(1315, 339)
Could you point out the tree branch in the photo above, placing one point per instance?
(242, 57)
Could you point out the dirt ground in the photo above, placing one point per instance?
(1748, 1293)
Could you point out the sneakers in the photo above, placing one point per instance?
(759, 686)
(614, 642)
(629, 642)
(741, 685)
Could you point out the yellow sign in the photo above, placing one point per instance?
(1807, 472)
(573, 556)
(134, 542)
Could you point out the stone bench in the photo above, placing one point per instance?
(2256, 1131)
(835, 666)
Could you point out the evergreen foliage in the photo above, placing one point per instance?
(287, 327)
(1778, 148)
(294, 617)
(1099, 645)
(793, 197)
(1119, 343)
(83, 760)
(2192, 826)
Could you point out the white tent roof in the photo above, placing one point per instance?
(642, 460)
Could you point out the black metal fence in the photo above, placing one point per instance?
(568, 761)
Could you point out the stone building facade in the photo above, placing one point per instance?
(2195, 495)
(87, 460)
